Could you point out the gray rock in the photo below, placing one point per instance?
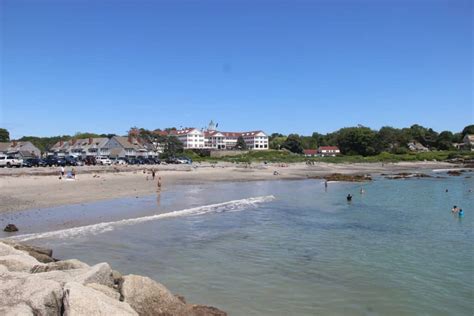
(17, 310)
(39, 253)
(60, 265)
(22, 246)
(110, 292)
(100, 273)
(44, 297)
(203, 310)
(10, 228)
(81, 300)
(18, 262)
(148, 297)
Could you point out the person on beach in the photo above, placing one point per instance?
(158, 184)
(62, 171)
(153, 174)
(73, 173)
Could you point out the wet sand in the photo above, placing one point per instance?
(37, 188)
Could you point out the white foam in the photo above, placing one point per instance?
(235, 205)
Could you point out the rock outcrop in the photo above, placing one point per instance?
(29, 286)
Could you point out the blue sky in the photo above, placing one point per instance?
(281, 66)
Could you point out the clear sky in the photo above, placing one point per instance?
(281, 66)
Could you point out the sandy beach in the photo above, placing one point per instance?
(37, 188)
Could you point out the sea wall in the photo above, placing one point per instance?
(32, 282)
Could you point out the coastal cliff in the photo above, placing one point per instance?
(32, 282)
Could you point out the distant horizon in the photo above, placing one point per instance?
(281, 66)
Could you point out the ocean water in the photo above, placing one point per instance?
(284, 247)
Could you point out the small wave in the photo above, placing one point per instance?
(235, 205)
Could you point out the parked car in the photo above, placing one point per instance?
(10, 161)
(171, 160)
(33, 162)
(55, 161)
(184, 160)
(154, 160)
(119, 161)
(103, 161)
(90, 161)
(71, 161)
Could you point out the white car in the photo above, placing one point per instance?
(103, 161)
(120, 162)
(10, 161)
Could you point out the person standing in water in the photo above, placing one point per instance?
(349, 197)
(158, 184)
(362, 191)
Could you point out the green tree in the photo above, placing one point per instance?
(173, 146)
(293, 144)
(468, 130)
(357, 140)
(445, 140)
(277, 142)
(4, 135)
(241, 143)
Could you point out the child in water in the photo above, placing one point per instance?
(461, 213)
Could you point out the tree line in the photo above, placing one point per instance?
(358, 140)
(365, 141)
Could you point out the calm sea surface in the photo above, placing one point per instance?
(295, 249)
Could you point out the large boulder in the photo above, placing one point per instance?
(81, 300)
(70, 264)
(100, 273)
(18, 262)
(44, 297)
(41, 254)
(203, 310)
(110, 292)
(16, 310)
(148, 297)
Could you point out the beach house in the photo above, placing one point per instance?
(20, 149)
(310, 152)
(130, 147)
(468, 142)
(81, 147)
(328, 151)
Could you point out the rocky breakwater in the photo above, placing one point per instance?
(32, 282)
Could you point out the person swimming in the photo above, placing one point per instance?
(461, 213)
(454, 209)
(349, 197)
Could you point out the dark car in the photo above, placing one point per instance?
(154, 161)
(171, 160)
(33, 162)
(90, 161)
(70, 161)
(54, 161)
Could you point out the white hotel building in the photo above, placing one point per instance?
(212, 139)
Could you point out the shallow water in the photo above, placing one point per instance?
(395, 250)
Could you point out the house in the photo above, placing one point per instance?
(82, 147)
(415, 146)
(190, 137)
(310, 152)
(130, 147)
(256, 140)
(20, 149)
(328, 151)
(468, 142)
